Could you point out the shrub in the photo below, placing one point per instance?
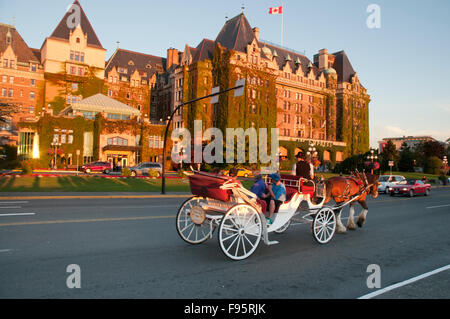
(126, 172)
(27, 168)
(433, 165)
(153, 173)
(180, 173)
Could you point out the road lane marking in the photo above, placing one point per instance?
(17, 214)
(5, 250)
(8, 203)
(10, 207)
(68, 221)
(438, 206)
(404, 283)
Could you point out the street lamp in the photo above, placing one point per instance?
(372, 157)
(181, 158)
(312, 152)
(445, 163)
(56, 145)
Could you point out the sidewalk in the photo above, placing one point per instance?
(90, 195)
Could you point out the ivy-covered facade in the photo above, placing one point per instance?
(320, 102)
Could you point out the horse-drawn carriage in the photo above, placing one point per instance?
(223, 203)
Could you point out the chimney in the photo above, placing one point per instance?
(323, 59)
(256, 32)
(172, 57)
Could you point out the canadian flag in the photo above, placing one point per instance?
(276, 10)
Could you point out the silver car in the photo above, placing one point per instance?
(145, 167)
(387, 181)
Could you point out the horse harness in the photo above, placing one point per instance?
(363, 185)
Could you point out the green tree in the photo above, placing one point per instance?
(389, 153)
(406, 161)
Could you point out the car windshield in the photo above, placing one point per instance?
(383, 178)
(411, 182)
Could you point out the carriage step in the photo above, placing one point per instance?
(273, 242)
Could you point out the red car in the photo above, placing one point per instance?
(104, 167)
(411, 188)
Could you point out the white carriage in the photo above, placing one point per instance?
(223, 203)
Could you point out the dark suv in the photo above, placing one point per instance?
(104, 167)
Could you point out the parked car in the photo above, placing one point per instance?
(411, 188)
(241, 172)
(104, 167)
(387, 181)
(144, 168)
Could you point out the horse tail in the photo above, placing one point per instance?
(328, 190)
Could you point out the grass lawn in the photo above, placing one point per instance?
(89, 184)
(99, 184)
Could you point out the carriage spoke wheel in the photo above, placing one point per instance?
(283, 228)
(324, 225)
(192, 225)
(240, 232)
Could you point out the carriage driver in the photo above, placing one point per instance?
(302, 168)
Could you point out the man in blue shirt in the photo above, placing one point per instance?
(277, 192)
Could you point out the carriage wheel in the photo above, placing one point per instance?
(192, 226)
(324, 225)
(283, 228)
(240, 231)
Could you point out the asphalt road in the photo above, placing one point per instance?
(129, 248)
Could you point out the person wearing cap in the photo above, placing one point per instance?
(302, 168)
(277, 192)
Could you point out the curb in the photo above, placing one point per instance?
(93, 197)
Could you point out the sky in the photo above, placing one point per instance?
(404, 64)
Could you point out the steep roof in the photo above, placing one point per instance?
(236, 34)
(144, 63)
(62, 31)
(204, 50)
(343, 67)
(20, 48)
(287, 56)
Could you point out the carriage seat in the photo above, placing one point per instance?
(304, 189)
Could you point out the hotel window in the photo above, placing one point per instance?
(11, 79)
(73, 70)
(63, 138)
(5, 79)
(80, 71)
(82, 57)
(5, 63)
(33, 82)
(110, 93)
(74, 86)
(31, 95)
(77, 56)
(115, 79)
(33, 68)
(253, 108)
(113, 116)
(71, 55)
(89, 115)
(10, 93)
(11, 64)
(3, 92)
(69, 139)
(31, 109)
(110, 79)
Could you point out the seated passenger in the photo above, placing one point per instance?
(302, 168)
(259, 189)
(277, 193)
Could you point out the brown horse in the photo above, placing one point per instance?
(356, 187)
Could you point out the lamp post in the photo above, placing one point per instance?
(239, 87)
(56, 145)
(181, 158)
(373, 157)
(445, 163)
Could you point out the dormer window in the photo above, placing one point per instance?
(130, 63)
(148, 66)
(78, 40)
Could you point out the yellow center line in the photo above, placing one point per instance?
(92, 220)
(93, 197)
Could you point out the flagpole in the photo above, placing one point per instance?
(282, 13)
